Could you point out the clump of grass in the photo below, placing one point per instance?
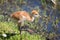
(27, 36)
(8, 27)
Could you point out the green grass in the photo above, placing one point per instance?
(27, 36)
(10, 27)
